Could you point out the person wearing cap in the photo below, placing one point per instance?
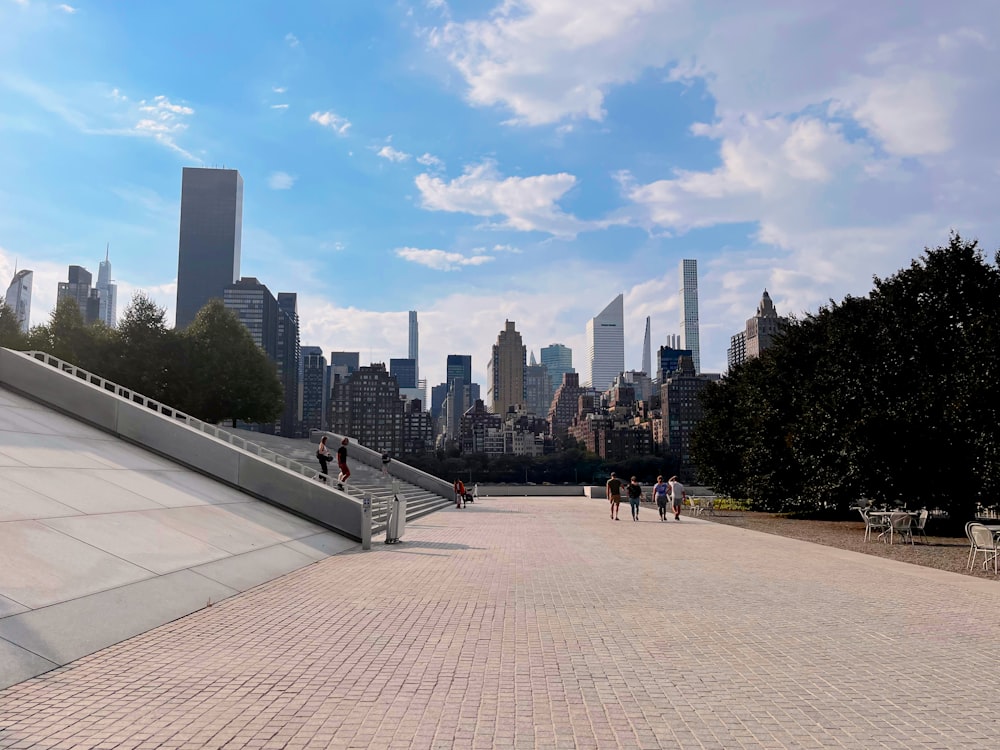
(677, 494)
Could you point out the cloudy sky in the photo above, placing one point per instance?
(523, 160)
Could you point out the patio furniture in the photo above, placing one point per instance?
(985, 541)
(920, 524)
(900, 522)
(873, 522)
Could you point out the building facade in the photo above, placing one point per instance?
(315, 389)
(405, 371)
(257, 309)
(211, 232)
(413, 350)
(367, 407)
(681, 411)
(289, 358)
(108, 290)
(78, 288)
(647, 352)
(559, 360)
(416, 430)
(18, 298)
(505, 370)
(667, 360)
(565, 404)
(606, 344)
(690, 330)
(759, 333)
(537, 389)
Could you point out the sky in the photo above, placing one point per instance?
(524, 160)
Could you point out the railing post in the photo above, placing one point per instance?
(366, 521)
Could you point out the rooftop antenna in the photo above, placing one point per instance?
(107, 250)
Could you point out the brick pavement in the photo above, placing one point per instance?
(524, 623)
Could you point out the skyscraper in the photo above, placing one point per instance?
(208, 258)
(315, 389)
(537, 388)
(458, 366)
(558, 359)
(647, 353)
(404, 370)
(78, 288)
(288, 359)
(257, 309)
(689, 311)
(18, 298)
(505, 370)
(606, 344)
(343, 364)
(759, 333)
(108, 306)
(414, 348)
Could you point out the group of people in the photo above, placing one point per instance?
(325, 457)
(671, 490)
(461, 494)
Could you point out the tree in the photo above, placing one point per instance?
(231, 377)
(11, 335)
(147, 356)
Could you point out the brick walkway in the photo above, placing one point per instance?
(541, 623)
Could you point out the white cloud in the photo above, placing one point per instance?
(441, 260)
(336, 123)
(279, 106)
(430, 161)
(525, 203)
(280, 181)
(66, 8)
(291, 40)
(392, 154)
(279, 89)
(547, 60)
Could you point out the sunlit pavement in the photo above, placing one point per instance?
(542, 623)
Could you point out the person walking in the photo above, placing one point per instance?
(677, 495)
(660, 491)
(459, 493)
(614, 488)
(324, 457)
(385, 465)
(345, 473)
(634, 496)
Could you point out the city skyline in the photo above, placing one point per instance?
(387, 171)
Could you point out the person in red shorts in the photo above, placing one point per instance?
(345, 473)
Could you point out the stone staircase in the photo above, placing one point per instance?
(419, 502)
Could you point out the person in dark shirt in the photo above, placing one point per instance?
(634, 496)
(614, 487)
(345, 473)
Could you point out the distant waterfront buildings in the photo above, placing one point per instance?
(505, 370)
(211, 229)
(758, 334)
(288, 359)
(689, 311)
(647, 358)
(78, 288)
(18, 298)
(537, 388)
(367, 407)
(606, 344)
(558, 359)
(681, 411)
(414, 347)
(315, 389)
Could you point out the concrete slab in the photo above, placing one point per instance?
(34, 419)
(275, 520)
(318, 546)
(40, 566)
(19, 503)
(242, 572)
(10, 607)
(69, 630)
(78, 489)
(210, 490)
(117, 454)
(17, 664)
(9, 398)
(140, 538)
(221, 527)
(45, 451)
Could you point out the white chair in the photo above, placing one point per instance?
(984, 541)
(695, 504)
(900, 523)
(921, 523)
(873, 523)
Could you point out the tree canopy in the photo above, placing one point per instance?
(891, 396)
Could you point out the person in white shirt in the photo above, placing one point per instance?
(677, 495)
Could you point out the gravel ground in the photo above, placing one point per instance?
(945, 553)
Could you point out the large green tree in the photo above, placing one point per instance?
(231, 377)
(11, 336)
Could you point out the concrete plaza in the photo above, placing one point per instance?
(542, 623)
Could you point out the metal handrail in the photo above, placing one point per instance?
(193, 422)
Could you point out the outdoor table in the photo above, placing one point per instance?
(888, 513)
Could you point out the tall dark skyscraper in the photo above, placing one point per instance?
(289, 358)
(208, 258)
(459, 366)
(405, 372)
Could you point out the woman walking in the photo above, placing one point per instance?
(345, 473)
(324, 457)
(660, 491)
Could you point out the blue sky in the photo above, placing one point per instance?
(483, 161)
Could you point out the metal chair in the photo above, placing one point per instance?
(900, 523)
(872, 523)
(972, 543)
(921, 523)
(984, 541)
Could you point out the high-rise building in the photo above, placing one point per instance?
(78, 289)
(673, 340)
(537, 389)
(108, 292)
(211, 231)
(367, 407)
(565, 404)
(288, 360)
(682, 410)
(405, 371)
(647, 353)
(414, 348)
(759, 333)
(18, 297)
(558, 359)
(343, 364)
(458, 366)
(689, 311)
(668, 361)
(257, 309)
(606, 344)
(505, 370)
(438, 395)
(315, 389)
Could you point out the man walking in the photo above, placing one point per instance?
(634, 496)
(614, 488)
(677, 495)
(660, 491)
